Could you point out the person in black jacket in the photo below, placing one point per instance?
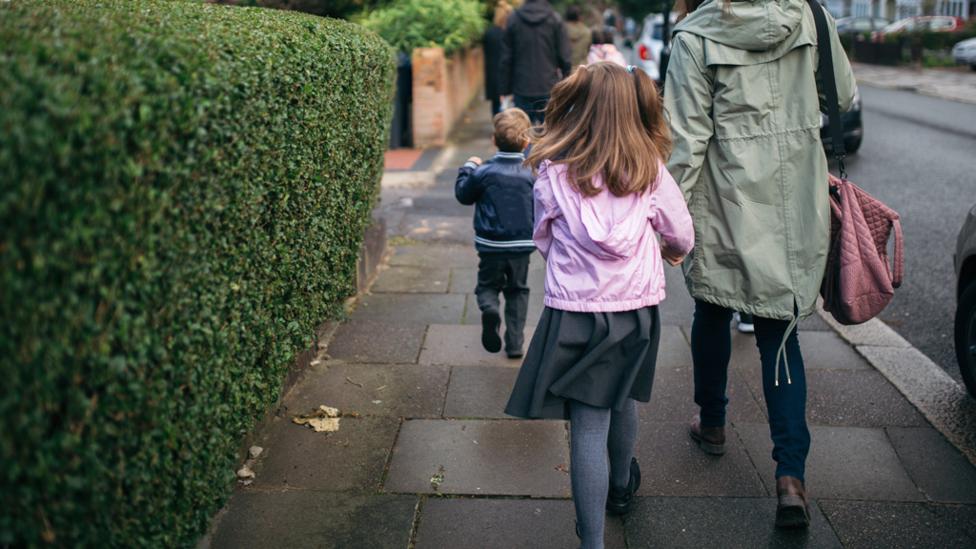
(535, 55)
(503, 221)
(493, 39)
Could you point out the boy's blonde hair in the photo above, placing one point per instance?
(511, 130)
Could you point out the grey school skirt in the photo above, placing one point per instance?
(600, 359)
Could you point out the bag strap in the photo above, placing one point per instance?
(825, 68)
(899, 260)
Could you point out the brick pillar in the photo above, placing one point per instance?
(442, 90)
(431, 108)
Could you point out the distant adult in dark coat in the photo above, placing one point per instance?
(493, 40)
(535, 55)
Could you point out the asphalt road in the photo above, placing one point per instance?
(919, 157)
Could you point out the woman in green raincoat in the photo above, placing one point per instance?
(742, 100)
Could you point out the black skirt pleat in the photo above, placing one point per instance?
(600, 359)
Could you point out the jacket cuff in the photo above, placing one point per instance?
(470, 165)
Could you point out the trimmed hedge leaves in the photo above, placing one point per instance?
(183, 191)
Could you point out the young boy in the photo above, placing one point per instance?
(501, 190)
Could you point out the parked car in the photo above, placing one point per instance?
(964, 53)
(650, 44)
(965, 325)
(847, 25)
(933, 23)
(853, 127)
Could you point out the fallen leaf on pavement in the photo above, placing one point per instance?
(323, 420)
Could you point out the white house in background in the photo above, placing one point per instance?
(958, 8)
(900, 9)
(906, 8)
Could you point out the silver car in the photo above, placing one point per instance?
(965, 325)
(964, 53)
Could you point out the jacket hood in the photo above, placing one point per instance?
(605, 225)
(750, 25)
(535, 12)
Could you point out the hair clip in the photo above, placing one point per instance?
(630, 69)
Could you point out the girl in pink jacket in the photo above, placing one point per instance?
(602, 48)
(606, 211)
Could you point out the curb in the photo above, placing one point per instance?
(938, 397)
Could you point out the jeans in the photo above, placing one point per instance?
(535, 107)
(506, 273)
(711, 349)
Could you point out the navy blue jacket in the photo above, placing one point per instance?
(502, 191)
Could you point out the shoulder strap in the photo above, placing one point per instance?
(825, 68)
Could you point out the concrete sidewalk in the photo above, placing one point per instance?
(953, 84)
(424, 456)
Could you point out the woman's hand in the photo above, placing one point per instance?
(672, 257)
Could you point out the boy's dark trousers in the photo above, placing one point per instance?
(507, 273)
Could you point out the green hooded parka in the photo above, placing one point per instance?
(741, 97)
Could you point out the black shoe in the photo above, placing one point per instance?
(619, 503)
(515, 353)
(490, 322)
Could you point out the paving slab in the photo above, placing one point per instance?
(352, 458)
(309, 519)
(673, 465)
(936, 466)
(844, 463)
(673, 397)
(377, 341)
(492, 457)
(433, 228)
(374, 389)
(719, 522)
(479, 392)
(943, 402)
(962, 517)
(459, 345)
(483, 523)
(673, 349)
(422, 280)
(411, 308)
(851, 398)
(422, 255)
(463, 280)
(861, 524)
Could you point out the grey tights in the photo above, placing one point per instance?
(595, 433)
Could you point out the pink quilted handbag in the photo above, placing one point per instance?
(859, 281)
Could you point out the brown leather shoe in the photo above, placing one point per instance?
(710, 439)
(792, 510)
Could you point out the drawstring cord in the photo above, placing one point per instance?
(782, 352)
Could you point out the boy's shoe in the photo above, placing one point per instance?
(743, 323)
(514, 353)
(710, 439)
(620, 503)
(490, 322)
(791, 510)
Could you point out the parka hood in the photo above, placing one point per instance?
(750, 25)
(535, 12)
(604, 225)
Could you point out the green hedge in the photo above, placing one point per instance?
(409, 24)
(184, 190)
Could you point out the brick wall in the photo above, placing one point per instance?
(442, 89)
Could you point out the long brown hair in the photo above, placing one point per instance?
(605, 120)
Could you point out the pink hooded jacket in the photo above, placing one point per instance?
(602, 252)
